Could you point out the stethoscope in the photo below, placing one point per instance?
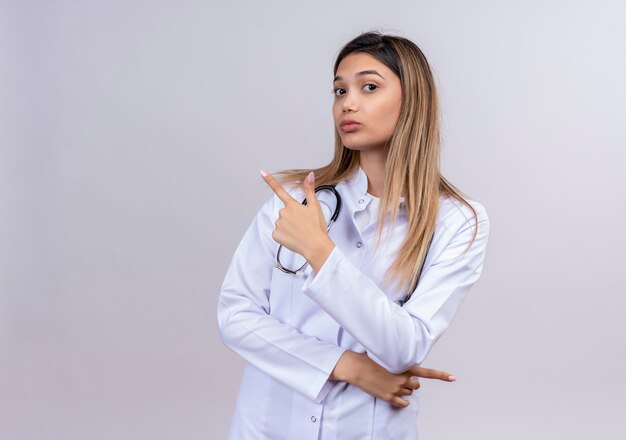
(332, 189)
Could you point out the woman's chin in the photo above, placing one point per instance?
(354, 146)
(360, 147)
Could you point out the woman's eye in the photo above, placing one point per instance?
(339, 91)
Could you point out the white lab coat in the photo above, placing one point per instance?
(291, 330)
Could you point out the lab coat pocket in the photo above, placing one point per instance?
(290, 305)
(307, 315)
(280, 296)
(284, 285)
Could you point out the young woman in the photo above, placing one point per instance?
(334, 331)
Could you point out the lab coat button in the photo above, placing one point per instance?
(359, 244)
(361, 200)
(313, 419)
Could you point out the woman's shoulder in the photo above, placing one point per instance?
(454, 213)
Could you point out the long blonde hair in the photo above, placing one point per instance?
(413, 159)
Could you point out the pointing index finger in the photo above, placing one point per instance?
(277, 188)
(429, 373)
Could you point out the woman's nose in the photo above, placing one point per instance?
(348, 103)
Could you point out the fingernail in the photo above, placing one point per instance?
(451, 378)
(310, 177)
(263, 173)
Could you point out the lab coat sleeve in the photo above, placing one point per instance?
(302, 362)
(398, 337)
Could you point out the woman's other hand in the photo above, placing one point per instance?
(359, 370)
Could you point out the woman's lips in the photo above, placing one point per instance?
(350, 127)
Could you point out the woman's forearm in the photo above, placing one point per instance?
(348, 367)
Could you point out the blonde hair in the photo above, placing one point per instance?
(413, 159)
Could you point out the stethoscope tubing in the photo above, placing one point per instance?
(330, 223)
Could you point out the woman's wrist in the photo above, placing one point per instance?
(318, 255)
(347, 367)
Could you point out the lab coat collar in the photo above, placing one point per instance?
(358, 184)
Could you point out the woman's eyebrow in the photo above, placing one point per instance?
(361, 73)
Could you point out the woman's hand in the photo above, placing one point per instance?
(359, 370)
(301, 228)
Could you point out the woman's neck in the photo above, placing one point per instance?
(374, 166)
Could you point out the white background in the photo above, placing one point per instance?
(131, 135)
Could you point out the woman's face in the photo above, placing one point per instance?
(368, 92)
